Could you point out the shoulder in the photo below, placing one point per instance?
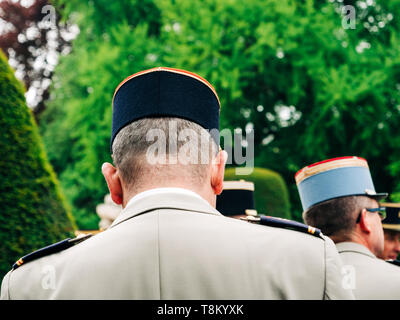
(4, 295)
(377, 279)
(388, 267)
(48, 250)
(286, 224)
(303, 243)
(394, 262)
(313, 254)
(27, 273)
(31, 258)
(299, 241)
(368, 265)
(391, 271)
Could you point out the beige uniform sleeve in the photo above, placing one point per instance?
(335, 287)
(4, 295)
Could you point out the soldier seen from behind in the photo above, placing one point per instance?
(170, 242)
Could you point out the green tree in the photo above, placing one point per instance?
(76, 127)
(310, 88)
(32, 212)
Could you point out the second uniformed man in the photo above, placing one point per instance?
(338, 197)
(170, 242)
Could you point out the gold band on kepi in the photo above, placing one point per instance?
(329, 164)
(392, 220)
(238, 185)
(166, 92)
(334, 178)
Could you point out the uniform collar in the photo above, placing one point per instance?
(354, 247)
(164, 198)
(159, 191)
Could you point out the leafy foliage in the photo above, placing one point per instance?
(310, 88)
(33, 43)
(77, 136)
(32, 213)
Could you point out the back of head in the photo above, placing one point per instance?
(165, 133)
(163, 150)
(337, 217)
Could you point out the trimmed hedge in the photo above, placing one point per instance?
(271, 194)
(32, 209)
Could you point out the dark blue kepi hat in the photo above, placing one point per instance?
(392, 220)
(335, 178)
(237, 198)
(166, 92)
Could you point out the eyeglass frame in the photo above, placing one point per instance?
(381, 211)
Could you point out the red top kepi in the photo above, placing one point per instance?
(334, 178)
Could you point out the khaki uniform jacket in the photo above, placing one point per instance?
(371, 278)
(171, 246)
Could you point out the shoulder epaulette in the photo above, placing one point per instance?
(395, 262)
(284, 223)
(53, 248)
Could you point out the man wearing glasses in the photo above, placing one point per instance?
(338, 197)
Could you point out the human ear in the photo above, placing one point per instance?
(113, 180)
(365, 221)
(218, 171)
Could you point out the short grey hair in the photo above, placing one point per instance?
(337, 217)
(131, 145)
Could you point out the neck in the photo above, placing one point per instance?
(207, 195)
(361, 239)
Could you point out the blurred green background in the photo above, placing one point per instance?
(309, 86)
